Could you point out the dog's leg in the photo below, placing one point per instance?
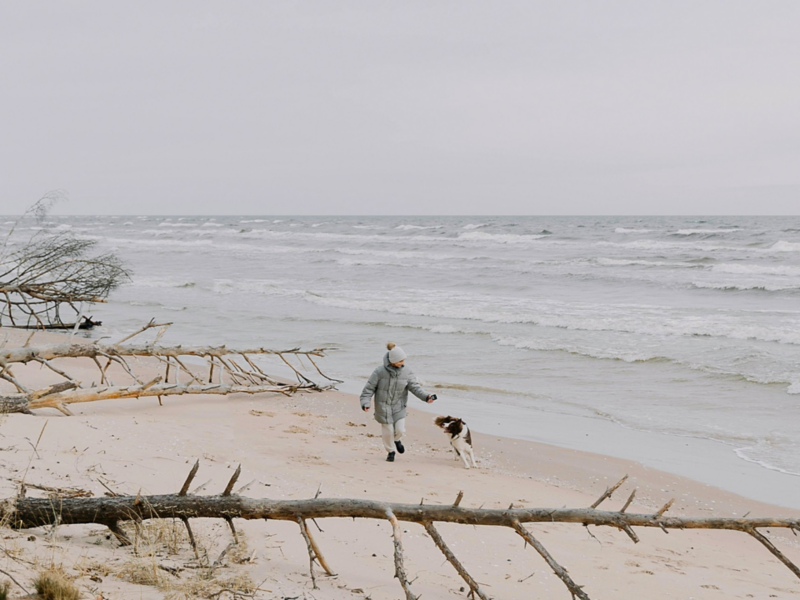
(456, 453)
(471, 456)
(464, 458)
(463, 452)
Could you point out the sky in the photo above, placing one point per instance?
(406, 107)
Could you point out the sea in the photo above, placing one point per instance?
(673, 341)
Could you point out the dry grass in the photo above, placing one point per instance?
(156, 536)
(53, 584)
(206, 585)
(157, 539)
(202, 583)
(4, 587)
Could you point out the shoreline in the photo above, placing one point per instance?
(290, 447)
(706, 461)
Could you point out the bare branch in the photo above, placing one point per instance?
(560, 571)
(474, 588)
(399, 568)
(608, 492)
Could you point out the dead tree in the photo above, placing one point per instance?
(226, 371)
(48, 272)
(22, 512)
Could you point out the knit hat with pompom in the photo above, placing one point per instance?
(396, 353)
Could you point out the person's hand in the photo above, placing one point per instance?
(365, 409)
(429, 399)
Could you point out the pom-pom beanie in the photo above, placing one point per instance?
(396, 353)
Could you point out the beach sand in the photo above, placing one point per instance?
(291, 447)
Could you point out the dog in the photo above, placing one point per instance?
(460, 438)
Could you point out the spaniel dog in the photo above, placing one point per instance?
(460, 438)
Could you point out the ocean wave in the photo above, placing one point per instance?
(682, 247)
(464, 387)
(499, 238)
(358, 262)
(651, 322)
(744, 286)
(170, 224)
(161, 282)
(181, 232)
(627, 230)
(474, 225)
(703, 231)
(618, 262)
(411, 227)
(210, 224)
(755, 269)
(768, 457)
(207, 243)
(269, 287)
(254, 221)
(349, 238)
(628, 356)
(784, 246)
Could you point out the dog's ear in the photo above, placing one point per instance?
(443, 421)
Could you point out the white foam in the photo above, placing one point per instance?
(749, 269)
(210, 224)
(616, 262)
(794, 388)
(703, 231)
(784, 246)
(499, 238)
(443, 329)
(409, 227)
(161, 282)
(627, 230)
(267, 287)
(474, 225)
(628, 356)
(356, 262)
(745, 286)
(254, 221)
(765, 462)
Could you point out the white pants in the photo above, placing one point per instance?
(392, 433)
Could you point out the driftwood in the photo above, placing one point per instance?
(24, 512)
(227, 371)
(84, 323)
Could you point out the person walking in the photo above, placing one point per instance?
(390, 384)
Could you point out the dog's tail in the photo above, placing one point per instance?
(443, 421)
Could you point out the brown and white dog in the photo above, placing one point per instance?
(460, 438)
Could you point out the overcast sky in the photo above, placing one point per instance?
(404, 107)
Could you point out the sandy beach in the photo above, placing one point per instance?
(291, 447)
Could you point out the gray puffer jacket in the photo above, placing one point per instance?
(390, 386)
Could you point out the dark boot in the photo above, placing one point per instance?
(400, 447)
(390, 458)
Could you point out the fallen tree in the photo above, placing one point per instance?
(48, 272)
(235, 370)
(22, 512)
